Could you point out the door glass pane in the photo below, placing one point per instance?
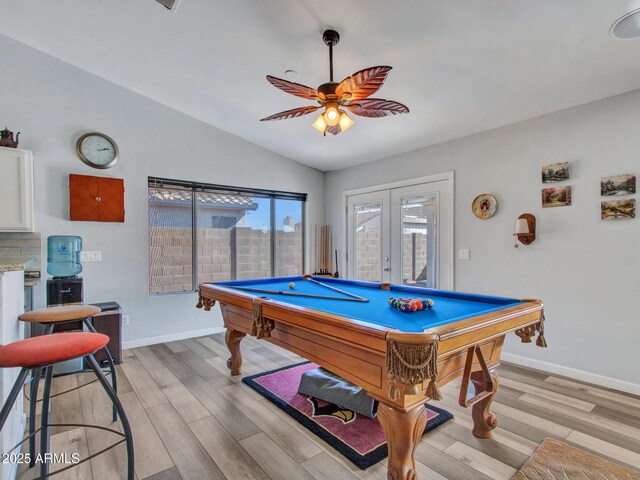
(288, 238)
(170, 240)
(419, 240)
(367, 238)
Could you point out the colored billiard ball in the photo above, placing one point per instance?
(291, 284)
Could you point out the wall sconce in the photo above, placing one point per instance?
(525, 229)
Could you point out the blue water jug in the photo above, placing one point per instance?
(63, 255)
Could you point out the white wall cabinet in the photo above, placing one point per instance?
(16, 190)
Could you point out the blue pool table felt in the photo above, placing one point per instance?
(448, 306)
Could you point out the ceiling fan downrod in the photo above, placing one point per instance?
(331, 38)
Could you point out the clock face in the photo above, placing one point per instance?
(97, 150)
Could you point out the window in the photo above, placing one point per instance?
(211, 233)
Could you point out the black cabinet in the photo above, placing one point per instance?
(109, 322)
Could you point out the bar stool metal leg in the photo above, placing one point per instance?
(123, 416)
(112, 367)
(36, 373)
(33, 402)
(44, 432)
(13, 394)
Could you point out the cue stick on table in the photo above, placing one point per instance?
(361, 299)
(278, 292)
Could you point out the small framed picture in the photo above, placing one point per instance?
(556, 197)
(484, 206)
(556, 172)
(618, 185)
(618, 209)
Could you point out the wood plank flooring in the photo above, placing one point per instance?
(192, 420)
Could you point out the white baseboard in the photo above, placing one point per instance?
(574, 373)
(143, 342)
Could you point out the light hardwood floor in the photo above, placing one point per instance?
(192, 420)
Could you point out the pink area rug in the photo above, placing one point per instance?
(358, 438)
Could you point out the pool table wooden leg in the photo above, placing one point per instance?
(483, 419)
(403, 429)
(233, 338)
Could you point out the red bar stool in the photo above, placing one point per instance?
(38, 353)
(51, 319)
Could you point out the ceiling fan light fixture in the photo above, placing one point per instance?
(320, 124)
(331, 115)
(345, 121)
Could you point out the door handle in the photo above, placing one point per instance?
(386, 269)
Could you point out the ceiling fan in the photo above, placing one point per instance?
(351, 93)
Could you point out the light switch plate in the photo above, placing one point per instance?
(90, 256)
(464, 254)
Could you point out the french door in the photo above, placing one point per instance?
(402, 233)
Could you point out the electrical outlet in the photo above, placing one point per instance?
(125, 320)
(463, 254)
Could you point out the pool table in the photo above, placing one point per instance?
(349, 328)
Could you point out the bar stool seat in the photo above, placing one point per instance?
(51, 318)
(42, 353)
(64, 313)
(50, 349)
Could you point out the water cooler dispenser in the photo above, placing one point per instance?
(63, 263)
(65, 288)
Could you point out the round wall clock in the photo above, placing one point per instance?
(97, 150)
(484, 206)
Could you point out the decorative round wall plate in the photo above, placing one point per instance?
(484, 206)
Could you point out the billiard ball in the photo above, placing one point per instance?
(291, 284)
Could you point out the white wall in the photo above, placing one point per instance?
(584, 269)
(53, 103)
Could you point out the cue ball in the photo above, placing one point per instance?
(291, 285)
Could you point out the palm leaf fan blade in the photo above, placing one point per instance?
(291, 88)
(363, 83)
(293, 113)
(376, 108)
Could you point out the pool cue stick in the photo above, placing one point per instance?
(326, 242)
(312, 280)
(321, 248)
(336, 274)
(324, 248)
(296, 294)
(317, 238)
(330, 249)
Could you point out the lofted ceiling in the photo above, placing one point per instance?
(461, 66)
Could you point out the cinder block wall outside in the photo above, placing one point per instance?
(368, 255)
(368, 251)
(410, 257)
(223, 254)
